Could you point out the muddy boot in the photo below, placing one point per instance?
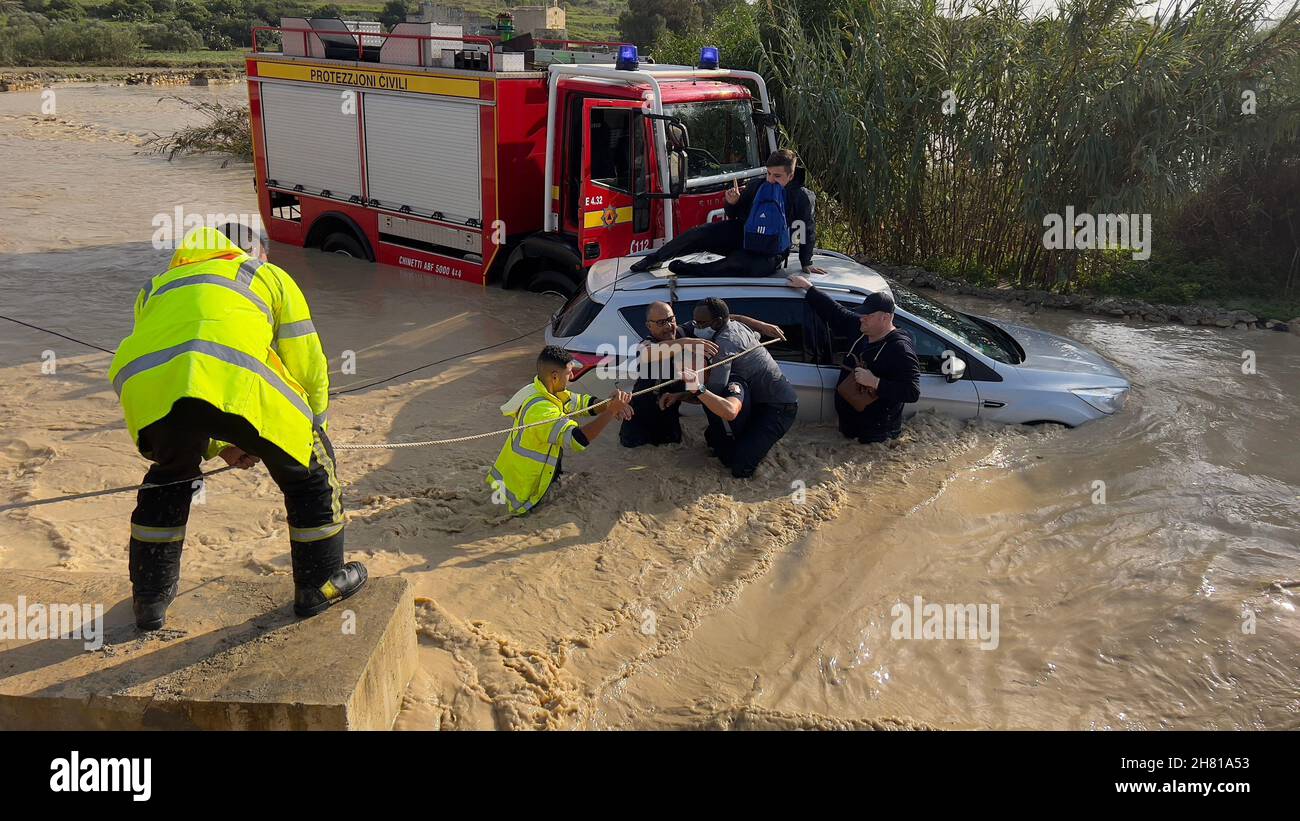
(320, 577)
(155, 577)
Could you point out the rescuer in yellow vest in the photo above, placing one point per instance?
(223, 360)
(530, 458)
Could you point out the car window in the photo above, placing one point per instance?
(611, 153)
(963, 328)
(929, 347)
(787, 314)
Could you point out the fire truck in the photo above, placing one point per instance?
(520, 162)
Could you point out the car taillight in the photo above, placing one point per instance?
(584, 362)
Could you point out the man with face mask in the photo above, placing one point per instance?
(664, 353)
(749, 402)
(883, 358)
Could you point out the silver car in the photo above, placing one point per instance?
(970, 366)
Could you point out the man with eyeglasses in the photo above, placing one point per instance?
(663, 354)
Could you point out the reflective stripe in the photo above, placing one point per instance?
(336, 494)
(535, 455)
(292, 329)
(247, 270)
(500, 482)
(145, 533)
(224, 282)
(218, 351)
(560, 427)
(314, 534)
(517, 438)
(319, 421)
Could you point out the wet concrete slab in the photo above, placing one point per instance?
(232, 656)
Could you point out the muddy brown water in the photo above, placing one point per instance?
(652, 591)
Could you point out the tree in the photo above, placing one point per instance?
(645, 20)
(394, 12)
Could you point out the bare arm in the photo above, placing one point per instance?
(760, 327)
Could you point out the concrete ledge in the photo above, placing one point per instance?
(231, 657)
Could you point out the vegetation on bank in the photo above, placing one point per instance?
(945, 139)
(132, 32)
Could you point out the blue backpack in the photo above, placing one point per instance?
(766, 231)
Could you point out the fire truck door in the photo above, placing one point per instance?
(613, 220)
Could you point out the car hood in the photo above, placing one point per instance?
(1049, 352)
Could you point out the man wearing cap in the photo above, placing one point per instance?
(883, 358)
(223, 360)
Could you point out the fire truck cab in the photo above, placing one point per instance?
(485, 161)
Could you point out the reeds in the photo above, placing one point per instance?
(946, 135)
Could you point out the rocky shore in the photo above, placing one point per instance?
(1118, 307)
(27, 79)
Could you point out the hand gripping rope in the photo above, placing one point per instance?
(348, 389)
(586, 410)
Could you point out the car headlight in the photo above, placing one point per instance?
(1106, 400)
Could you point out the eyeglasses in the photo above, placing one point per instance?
(663, 323)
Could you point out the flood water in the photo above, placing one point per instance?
(1143, 568)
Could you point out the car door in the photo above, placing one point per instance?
(958, 399)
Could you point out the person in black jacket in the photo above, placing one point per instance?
(883, 358)
(727, 237)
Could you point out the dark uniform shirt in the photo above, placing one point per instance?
(760, 372)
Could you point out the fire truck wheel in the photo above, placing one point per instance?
(345, 244)
(552, 282)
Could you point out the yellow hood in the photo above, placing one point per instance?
(203, 244)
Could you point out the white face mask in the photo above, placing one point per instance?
(704, 333)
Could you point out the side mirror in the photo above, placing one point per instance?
(677, 161)
(677, 135)
(954, 367)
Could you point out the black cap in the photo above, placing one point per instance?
(878, 301)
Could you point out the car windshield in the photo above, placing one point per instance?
(722, 136)
(984, 338)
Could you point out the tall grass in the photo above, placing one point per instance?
(1096, 105)
(225, 130)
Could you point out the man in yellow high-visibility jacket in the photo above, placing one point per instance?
(223, 359)
(530, 458)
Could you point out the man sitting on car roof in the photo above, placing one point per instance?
(762, 222)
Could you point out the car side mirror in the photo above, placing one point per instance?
(954, 367)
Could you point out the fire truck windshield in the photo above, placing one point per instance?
(723, 137)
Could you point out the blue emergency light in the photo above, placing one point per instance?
(627, 59)
(709, 57)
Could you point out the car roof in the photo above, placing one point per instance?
(842, 275)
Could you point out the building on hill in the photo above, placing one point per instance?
(540, 21)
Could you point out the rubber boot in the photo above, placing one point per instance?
(155, 576)
(320, 577)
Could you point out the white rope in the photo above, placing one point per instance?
(552, 421)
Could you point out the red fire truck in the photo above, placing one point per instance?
(482, 161)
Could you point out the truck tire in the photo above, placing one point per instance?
(552, 282)
(343, 243)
